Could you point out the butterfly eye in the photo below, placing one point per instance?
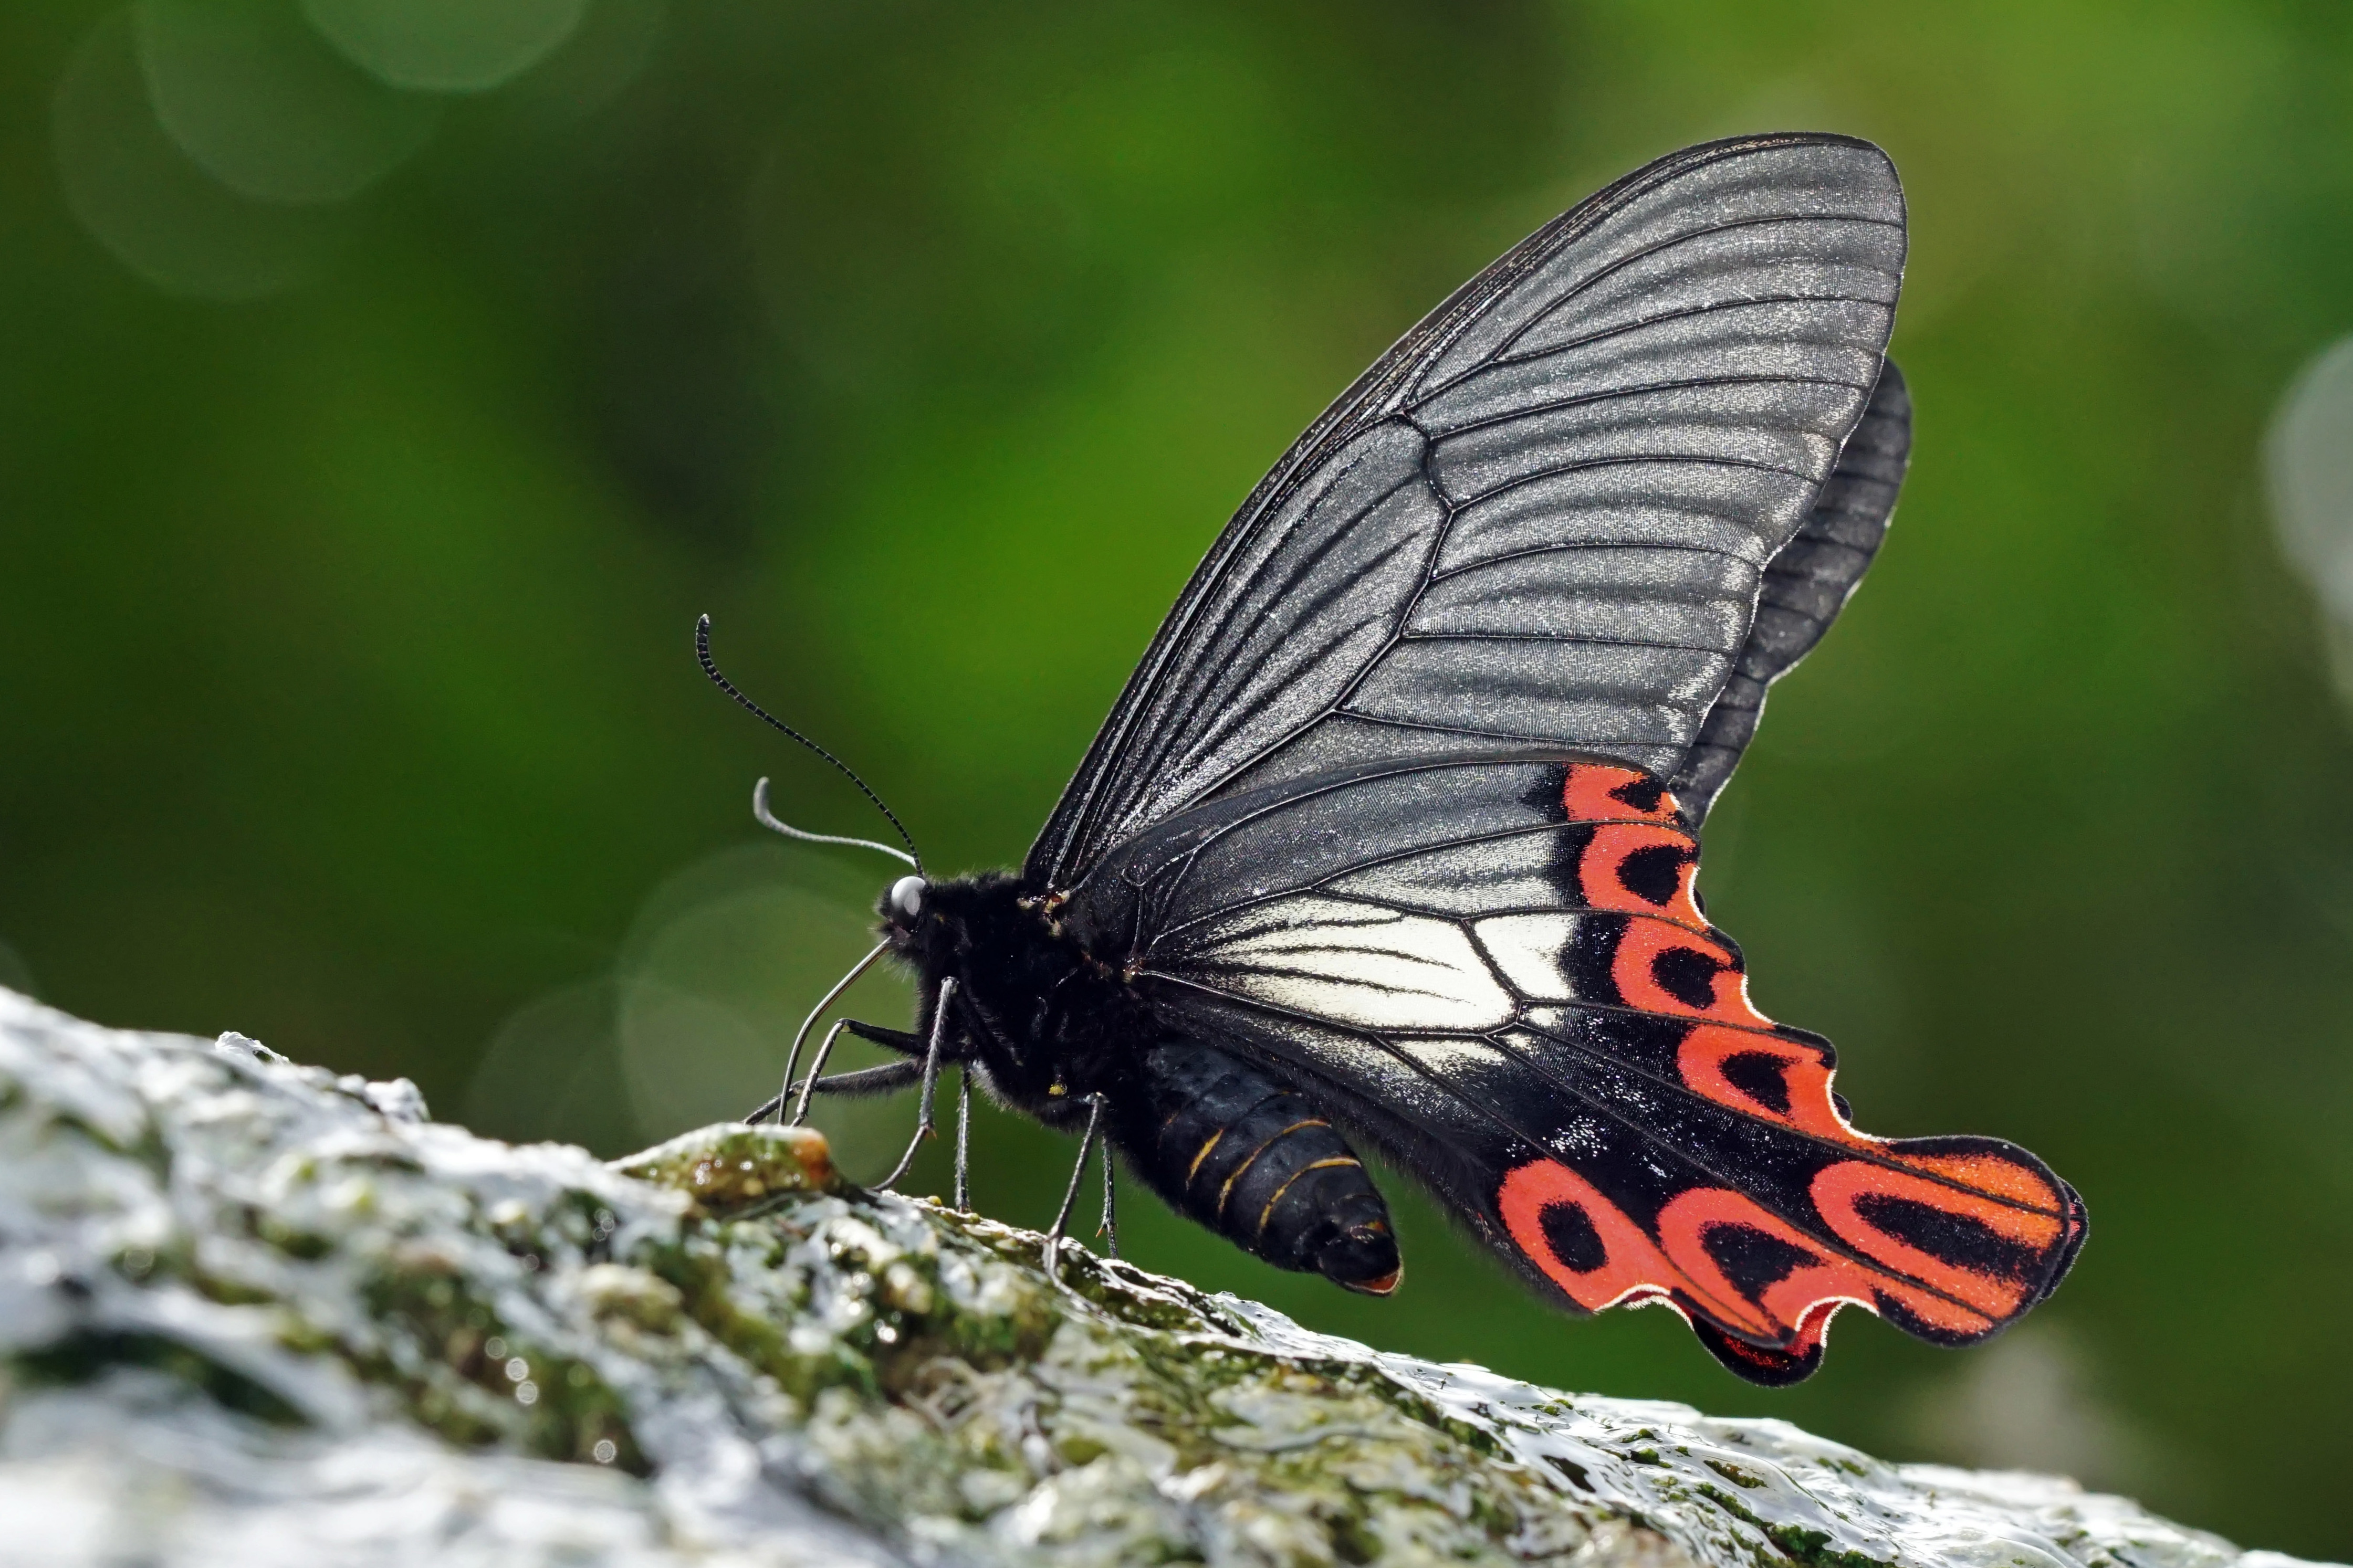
(906, 898)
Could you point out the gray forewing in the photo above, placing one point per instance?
(1545, 517)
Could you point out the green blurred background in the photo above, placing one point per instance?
(386, 384)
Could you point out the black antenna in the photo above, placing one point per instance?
(702, 655)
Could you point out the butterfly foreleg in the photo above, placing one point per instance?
(872, 1081)
(884, 1080)
(904, 1042)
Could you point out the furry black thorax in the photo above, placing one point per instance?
(1051, 1030)
(1044, 1023)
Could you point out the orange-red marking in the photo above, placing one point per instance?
(1701, 1060)
(2013, 1201)
(1603, 888)
(1589, 795)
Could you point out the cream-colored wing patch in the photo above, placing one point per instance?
(1350, 963)
(1527, 949)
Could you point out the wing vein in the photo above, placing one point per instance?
(1616, 460)
(1619, 264)
(1613, 393)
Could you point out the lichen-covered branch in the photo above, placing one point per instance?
(255, 1312)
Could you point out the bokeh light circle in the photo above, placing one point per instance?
(2308, 467)
(445, 46)
(256, 101)
(134, 191)
(2308, 459)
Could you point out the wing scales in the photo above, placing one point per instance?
(1355, 964)
(1503, 973)
(1668, 372)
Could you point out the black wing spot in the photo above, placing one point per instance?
(1568, 1231)
(1751, 1259)
(1653, 873)
(1955, 1239)
(1846, 1112)
(1642, 794)
(1762, 1076)
(1687, 975)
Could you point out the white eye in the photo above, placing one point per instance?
(906, 900)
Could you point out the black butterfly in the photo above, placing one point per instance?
(1390, 840)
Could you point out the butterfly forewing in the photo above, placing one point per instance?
(1543, 518)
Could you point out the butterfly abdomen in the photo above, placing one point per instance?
(1256, 1163)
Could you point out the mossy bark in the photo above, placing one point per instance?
(253, 1308)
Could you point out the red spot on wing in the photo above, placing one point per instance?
(1608, 879)
(1596, 792)
(1800, 1301)
(1988, 1249)
(1633, 1267)
(1630, 1264)
(1991, 1170)
(1806, 1104)
(1789, 1311)
(1951, 1238)
(1798, 1305)
(1656, 965)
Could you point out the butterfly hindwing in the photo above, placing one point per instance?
(1806, 586)
(1544, 517)
(1500, 966)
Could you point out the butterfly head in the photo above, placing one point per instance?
(934, 924)
(974, 929)
(907, 907)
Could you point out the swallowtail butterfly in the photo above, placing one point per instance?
(1390, 840)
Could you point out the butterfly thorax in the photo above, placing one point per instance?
(1045, 1022)
(1048, 1023)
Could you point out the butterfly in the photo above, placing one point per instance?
(1390, 841)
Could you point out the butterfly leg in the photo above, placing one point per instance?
(964, 1140)
(869, 1080)
(1109, 1230)
(899, 1040)
(1052, 1257)
(890, 1076)
(793, 1057)
(824, 1050)
(923, 1126)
